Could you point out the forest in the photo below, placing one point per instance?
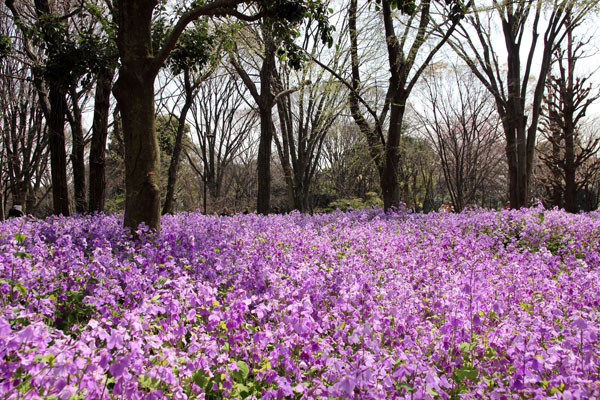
(158, 107)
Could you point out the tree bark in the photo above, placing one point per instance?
(142, 155)
(58, 156)
(78, 156)
(389, 178)
(20, 191)
(97, 172)
(134, 91)
(266, 102)
(556, 186)
(569, 108)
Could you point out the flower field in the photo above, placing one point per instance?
(359, 305)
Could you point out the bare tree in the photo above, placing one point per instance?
(566, 102)
(509, 77)
(22, 125)
(194, 59)
(52, 94)
(406, 40)
(460, 120)
(220, 125)
(347, 168)
(242, 174)
(306, 115)
(140, 64)
(264, 98)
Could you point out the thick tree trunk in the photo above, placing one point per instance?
(20, 191)
(58, 156)
(263, 201)
(390, 186)
(301, 195)
(168, 207)
(31, 200)
(142, 155)
(515, 126)
(134, 91)
(97, 172)
(523, 178)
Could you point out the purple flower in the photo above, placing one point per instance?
(117, 368)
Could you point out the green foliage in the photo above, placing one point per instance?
(242, 373)
(409, 7)
(5, 43)
(372, 200)
(71, 311)
(166, 127)
(193, 49)
(71, 56)
(20, 238)
(283, 21)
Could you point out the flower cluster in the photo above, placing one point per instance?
(347, 305)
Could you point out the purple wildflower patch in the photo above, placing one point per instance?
(361, 305)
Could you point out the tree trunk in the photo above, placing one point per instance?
(390, 186)
(515, 127)
(570, 167)
(58, 156)
(142, 155)
(134, 91)
(97, 174)
(168, 207)
(263, 201)
(556, 186)
(19, 192)
(78, 157)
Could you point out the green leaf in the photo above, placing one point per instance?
(200, 378)
(466, 373)
(465, 347)
(21, 289)
(242, 373)
(147, 382)
(22, 255)
(19, 237)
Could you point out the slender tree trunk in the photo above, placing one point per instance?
(283, 150)
(263, 201)
(78, 158)
(569, 97)
(97, 173)
(58, 156)
(168, 207)
(570, 167)
(30, 200)
(522, 178)
(556, 186)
